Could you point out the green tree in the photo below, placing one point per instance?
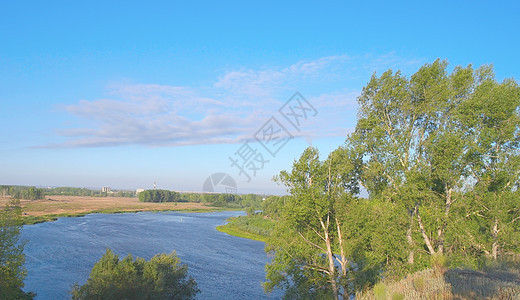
(12, 259)
(438, 154)
(24, 192)
(159, 196)
(493, 116)
(428, 140)
(308, 240)
(162, 277)
(250, 211)
(272, 206)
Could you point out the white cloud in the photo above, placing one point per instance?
(229, 111)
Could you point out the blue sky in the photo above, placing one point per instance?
(124, 94)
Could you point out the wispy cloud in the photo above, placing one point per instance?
(228, 111)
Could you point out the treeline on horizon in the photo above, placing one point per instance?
(34, 193)
(22, 192)
(153, 195)
(219, 200)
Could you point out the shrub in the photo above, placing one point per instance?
(438, 261)
(162, 277)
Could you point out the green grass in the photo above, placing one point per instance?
(254, 227)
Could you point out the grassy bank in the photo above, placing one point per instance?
(254, 227)
(498, 282)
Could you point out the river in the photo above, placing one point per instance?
(61, 253)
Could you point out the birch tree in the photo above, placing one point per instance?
(416, 146)
(493, 116)
(308, 242)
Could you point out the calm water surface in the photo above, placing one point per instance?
(60, 253)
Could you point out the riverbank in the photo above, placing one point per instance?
(53, 207)
(255, 227)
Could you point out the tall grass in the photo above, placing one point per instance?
(497, 280)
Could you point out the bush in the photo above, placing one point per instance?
(438, 261)
(162, 277)
(12, 259)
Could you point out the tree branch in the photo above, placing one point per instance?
(311, 243)
(424, 235)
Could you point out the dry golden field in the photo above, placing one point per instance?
(78, 205)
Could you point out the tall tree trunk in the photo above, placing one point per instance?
(442, 229)
(424, 234)
(330, 256)
(409, 238)
(343, 262)
(494, 248)
(332, 269)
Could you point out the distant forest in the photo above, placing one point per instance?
(155, 195)
(220, 200)
(33, 193)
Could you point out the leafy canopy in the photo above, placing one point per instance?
(162, 277)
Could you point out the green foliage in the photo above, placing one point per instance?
(272, 206)
(297, 282)
(159, 196)
(73, 191)
(22, 192)
(307, 238)
(255, 224)
(375, 241)
(162, 277)
(32, 193)
(233, 200)
(12, 259)
(254, 227)
(126, 194)
(438, 154)
(250, 211)
(444, 147)
(438, 261)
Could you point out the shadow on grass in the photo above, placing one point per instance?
(470, 284)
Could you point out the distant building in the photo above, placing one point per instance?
(137, 191)
(105, 189)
